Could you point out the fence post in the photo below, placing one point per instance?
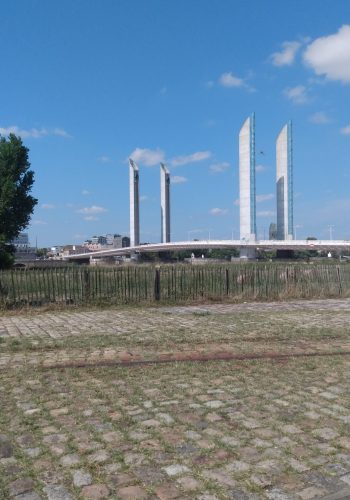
(157, 284)
(227, 280)
(340, 283)
(86, 285)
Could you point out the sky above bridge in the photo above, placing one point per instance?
(88, 84)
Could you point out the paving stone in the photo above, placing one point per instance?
(165, 418)
(57, 492)
(326, 433)
(55, 438)
(112, 437)
(297, 465)
(336, 469)
(6, 449)
(69, 460)
(98, 457)
(237, 466)
(134, 458)
(149, 475)
(214, 404)
(344, 442)
(291, 429)
(345, 478)
(207, 496)
(218, 476)
(81, 478)
(188, 483)
(167, 491)
(29, 495)
(32, 452)
(22, 485)
(132, 493)
(175, 469)
(150, 423)
(239, 494)
(230, 441)
(311, 492)
(95, 491)
(59, 411)
(261, 480)
(277, 494)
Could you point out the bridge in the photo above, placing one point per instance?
(326, 245)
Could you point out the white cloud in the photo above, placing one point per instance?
(218, 168)
(147, 157)
(218, 211)
(47, 206)
(287, 55)
(264, 197)
(229, 80)
(91, 218)
(34, 133)
(104, 159)
(38, 222)
(60, 132)
(192, 158)
(330, 55)
(143, 198)
(266, 213)
(236, 202)
(92, 210)
(320, 118)
(178, 179)
(260, 168)
(85, 192)
(297, 94)
(345, 130)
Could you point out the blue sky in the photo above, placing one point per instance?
(89, 83)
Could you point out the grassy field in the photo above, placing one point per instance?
(81, 419)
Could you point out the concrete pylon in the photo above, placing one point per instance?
(284, 183)
(164, 203)
(134, 203)
(247, 193)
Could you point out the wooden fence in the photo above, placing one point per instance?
(172, 283)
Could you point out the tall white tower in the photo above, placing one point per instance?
(134, 203)
(284, 183)
(247, 209)
(165, 203)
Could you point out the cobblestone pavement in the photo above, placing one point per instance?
(239, 429)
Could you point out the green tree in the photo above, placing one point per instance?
(16, 204)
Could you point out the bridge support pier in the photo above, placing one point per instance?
(247, 254)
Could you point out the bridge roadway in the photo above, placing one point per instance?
(327, 245)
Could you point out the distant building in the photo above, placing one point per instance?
(125, 241)
(284, 183)
(21, 242)
(117, 241)
(105, 242)
(164, 203)
(273, 231)
(134, 203)
(72, 250)
(247, 210)
(99, 240)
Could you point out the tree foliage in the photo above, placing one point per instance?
(16, 203)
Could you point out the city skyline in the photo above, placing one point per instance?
(177, 92)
